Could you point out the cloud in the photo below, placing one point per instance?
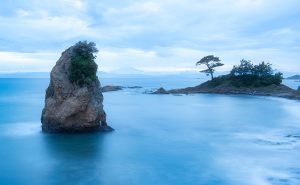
(27, 62)
(155, 34)
(162, 59)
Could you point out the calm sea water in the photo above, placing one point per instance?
(159, 139)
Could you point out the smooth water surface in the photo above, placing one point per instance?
(199, 139)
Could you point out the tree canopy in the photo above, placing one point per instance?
(83, 66)
(211, 62)
(247, 74)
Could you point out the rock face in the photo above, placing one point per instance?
(69, 107)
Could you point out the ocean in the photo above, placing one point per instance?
(201, 139)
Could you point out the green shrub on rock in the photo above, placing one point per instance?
(83, 66)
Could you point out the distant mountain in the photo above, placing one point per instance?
(294, 77)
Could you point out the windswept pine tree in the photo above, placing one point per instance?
(211, 62)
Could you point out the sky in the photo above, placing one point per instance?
(150, 36)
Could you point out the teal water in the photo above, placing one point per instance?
(159, 139)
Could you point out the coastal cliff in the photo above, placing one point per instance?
(70, 107)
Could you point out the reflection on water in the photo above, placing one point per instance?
(190, 139)
(76, 157)
(71, 146)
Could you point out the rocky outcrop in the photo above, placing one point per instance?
(271, 90)
(109, 88)
(69, 107)
(134, 87)
(296, 94)
(161, 90)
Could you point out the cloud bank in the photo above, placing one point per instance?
(156, 35)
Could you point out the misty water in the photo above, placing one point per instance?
(201, 139)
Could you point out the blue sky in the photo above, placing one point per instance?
(150, 36)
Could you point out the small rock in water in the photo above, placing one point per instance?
(134, 87)
(109, 88)
(160, 91)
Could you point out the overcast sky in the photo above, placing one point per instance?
(151, 36)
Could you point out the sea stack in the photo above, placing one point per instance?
(73, 101)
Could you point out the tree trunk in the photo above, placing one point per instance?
(212, 75)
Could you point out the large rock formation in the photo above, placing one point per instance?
(69, 107)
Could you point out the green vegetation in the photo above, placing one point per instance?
(211, 62)
(83, 66)
(246, 74)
